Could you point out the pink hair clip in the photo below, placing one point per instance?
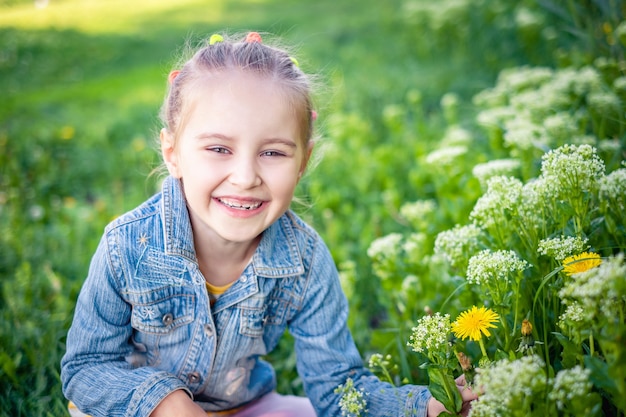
(313, 115)
(172, 76)
(253, 37)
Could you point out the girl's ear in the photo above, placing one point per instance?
(168, 152)
(305, 160)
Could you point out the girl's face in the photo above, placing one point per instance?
(239, 156)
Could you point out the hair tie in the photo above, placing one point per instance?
(313, 115)
(172, 76)
(253, 37)
(215, 38)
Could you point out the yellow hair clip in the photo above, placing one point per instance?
(215, 38)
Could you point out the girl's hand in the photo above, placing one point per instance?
(435, 407)
(178, 404)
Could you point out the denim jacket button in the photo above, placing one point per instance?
(244, 279)
(208, 329)
(167, 319)
(193, 378)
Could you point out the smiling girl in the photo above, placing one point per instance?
(186, 293)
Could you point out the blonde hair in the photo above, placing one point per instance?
(272, 63)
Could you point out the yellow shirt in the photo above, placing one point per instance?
(215, 291)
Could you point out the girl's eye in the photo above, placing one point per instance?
(272, 153)
(218, 149)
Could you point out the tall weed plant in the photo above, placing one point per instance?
(534, 272)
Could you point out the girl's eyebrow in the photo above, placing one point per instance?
(205, 136)
(287, 142)
(269, 141)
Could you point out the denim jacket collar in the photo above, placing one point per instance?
(266, 261)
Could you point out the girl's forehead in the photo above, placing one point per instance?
(237, 85)
(224, 89)
(228, 102)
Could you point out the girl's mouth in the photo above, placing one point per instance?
(238, 205)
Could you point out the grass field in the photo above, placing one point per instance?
(81, 83)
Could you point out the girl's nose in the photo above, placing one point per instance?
(245, 173)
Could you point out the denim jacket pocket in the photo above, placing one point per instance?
(158, 313)
(156, 267)
(252, 321)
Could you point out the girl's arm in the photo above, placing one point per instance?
(178, 404)
(94, 370)
(327, 355)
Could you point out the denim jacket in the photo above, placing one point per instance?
(144, 327)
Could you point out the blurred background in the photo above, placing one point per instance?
(81, 84)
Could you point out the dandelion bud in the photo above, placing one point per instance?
(527, 342)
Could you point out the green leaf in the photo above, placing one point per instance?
(443, 388)
(600, 375)
(570, 352)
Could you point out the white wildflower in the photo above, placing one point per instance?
(561, 127)
(385, 247)
(503, 196)
(458, 244)
(523, 78)
(532, 206)
(613, 190)
(574, 313)
(500, 396)
(619, 84)
(488, 266)
(521, 133)
(446, 157)
(570, 384)
(352, 401)
(587, 80)
(605, 103)
(598, 291)
(431, 333)
(414, 246)
(455, 135)
(498, 167)
(560, 248)
(490, 98)
(495, 117)
(571, 169)
(419, 213)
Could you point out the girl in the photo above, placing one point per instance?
(187, 292)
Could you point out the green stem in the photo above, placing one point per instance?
(517, 297)
(387, 375)
(591, 345)
(545, 319)
(448, 389)
(505, 327)
(482, 347)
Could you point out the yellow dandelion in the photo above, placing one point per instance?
(474, 322)
(581, 263)
(67, 132)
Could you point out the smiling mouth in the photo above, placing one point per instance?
(238, 205)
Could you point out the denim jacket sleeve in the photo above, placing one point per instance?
(94, 372)
(327, 355)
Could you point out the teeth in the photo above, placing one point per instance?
(239, 206)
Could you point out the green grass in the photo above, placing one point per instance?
(81, 85)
